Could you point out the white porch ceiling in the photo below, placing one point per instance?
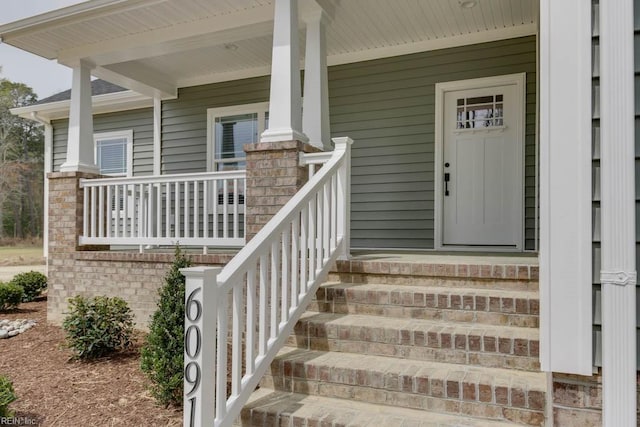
(156, 46)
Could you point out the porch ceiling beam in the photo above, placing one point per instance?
(139, 79)
(248, 23)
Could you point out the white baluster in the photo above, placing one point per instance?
(205, 208)
(251, 321)
(236, 222)
(93, 211)
(109, 212)
(149, 206)
(312, 241)
(125, 209)
(140, 209)
(85, 219)
(295, 254)
(275, 288)
(321, 230)
(262, 350)
(221, 368)
(286, 236)
(158, 208)
(215, 209)
(326, 218)
(177, 211)
(116, 227)
(167, 212)
(304, 249)
(236, 349)
(196, 210)
(101, 211)
(225, 208)
(187, 234)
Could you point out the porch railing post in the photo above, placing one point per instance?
(344, 196)
(200, 345)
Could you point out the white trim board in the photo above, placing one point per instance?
(518, 79)
(565, 187)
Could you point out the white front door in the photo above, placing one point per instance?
(482, 163)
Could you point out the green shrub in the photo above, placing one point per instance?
(163, 352)
(10, 295)
(98, 326)
(32, 282)
(7, 395)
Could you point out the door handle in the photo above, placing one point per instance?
(447, 177)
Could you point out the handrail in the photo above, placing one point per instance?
(152, 179)
(270, 283)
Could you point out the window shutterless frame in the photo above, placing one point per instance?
(214, 158)
(117, 137)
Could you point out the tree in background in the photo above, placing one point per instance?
(21, 165)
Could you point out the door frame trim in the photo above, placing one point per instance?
(519, 79)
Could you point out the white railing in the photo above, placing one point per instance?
(313, 160)
(266, 287)
(204, 209)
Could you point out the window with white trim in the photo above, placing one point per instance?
(114, 152)
(228, 129)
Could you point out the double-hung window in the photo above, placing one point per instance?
(114, 152)
(229, 128)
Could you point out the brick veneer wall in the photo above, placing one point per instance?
(274, 175)
(577, 400)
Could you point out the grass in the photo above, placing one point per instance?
(21, 254)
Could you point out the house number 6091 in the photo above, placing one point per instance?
(192, 371)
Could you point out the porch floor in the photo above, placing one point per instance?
(516, 258)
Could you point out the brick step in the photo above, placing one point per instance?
(449, 282)
(483, 306)
(269, 408)
(490, 393)
(509, 273)
(462, 343)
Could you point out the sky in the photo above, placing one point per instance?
(43, 76)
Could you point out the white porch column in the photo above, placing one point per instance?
(80, 150)
(285, 102)
(565, 187)
(617, 178)
(315, 114)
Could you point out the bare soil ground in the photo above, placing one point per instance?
(55, 390)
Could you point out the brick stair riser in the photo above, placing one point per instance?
(258, 417)
(415, 391)
(422, 304)
(454, 282)
(488, 351)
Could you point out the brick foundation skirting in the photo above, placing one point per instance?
(134, 277)
(577, 400)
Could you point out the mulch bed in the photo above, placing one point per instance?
(55, 390)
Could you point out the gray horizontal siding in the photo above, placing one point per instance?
(184, 120)
(597, 314)
(388, 107)
(140, 121)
